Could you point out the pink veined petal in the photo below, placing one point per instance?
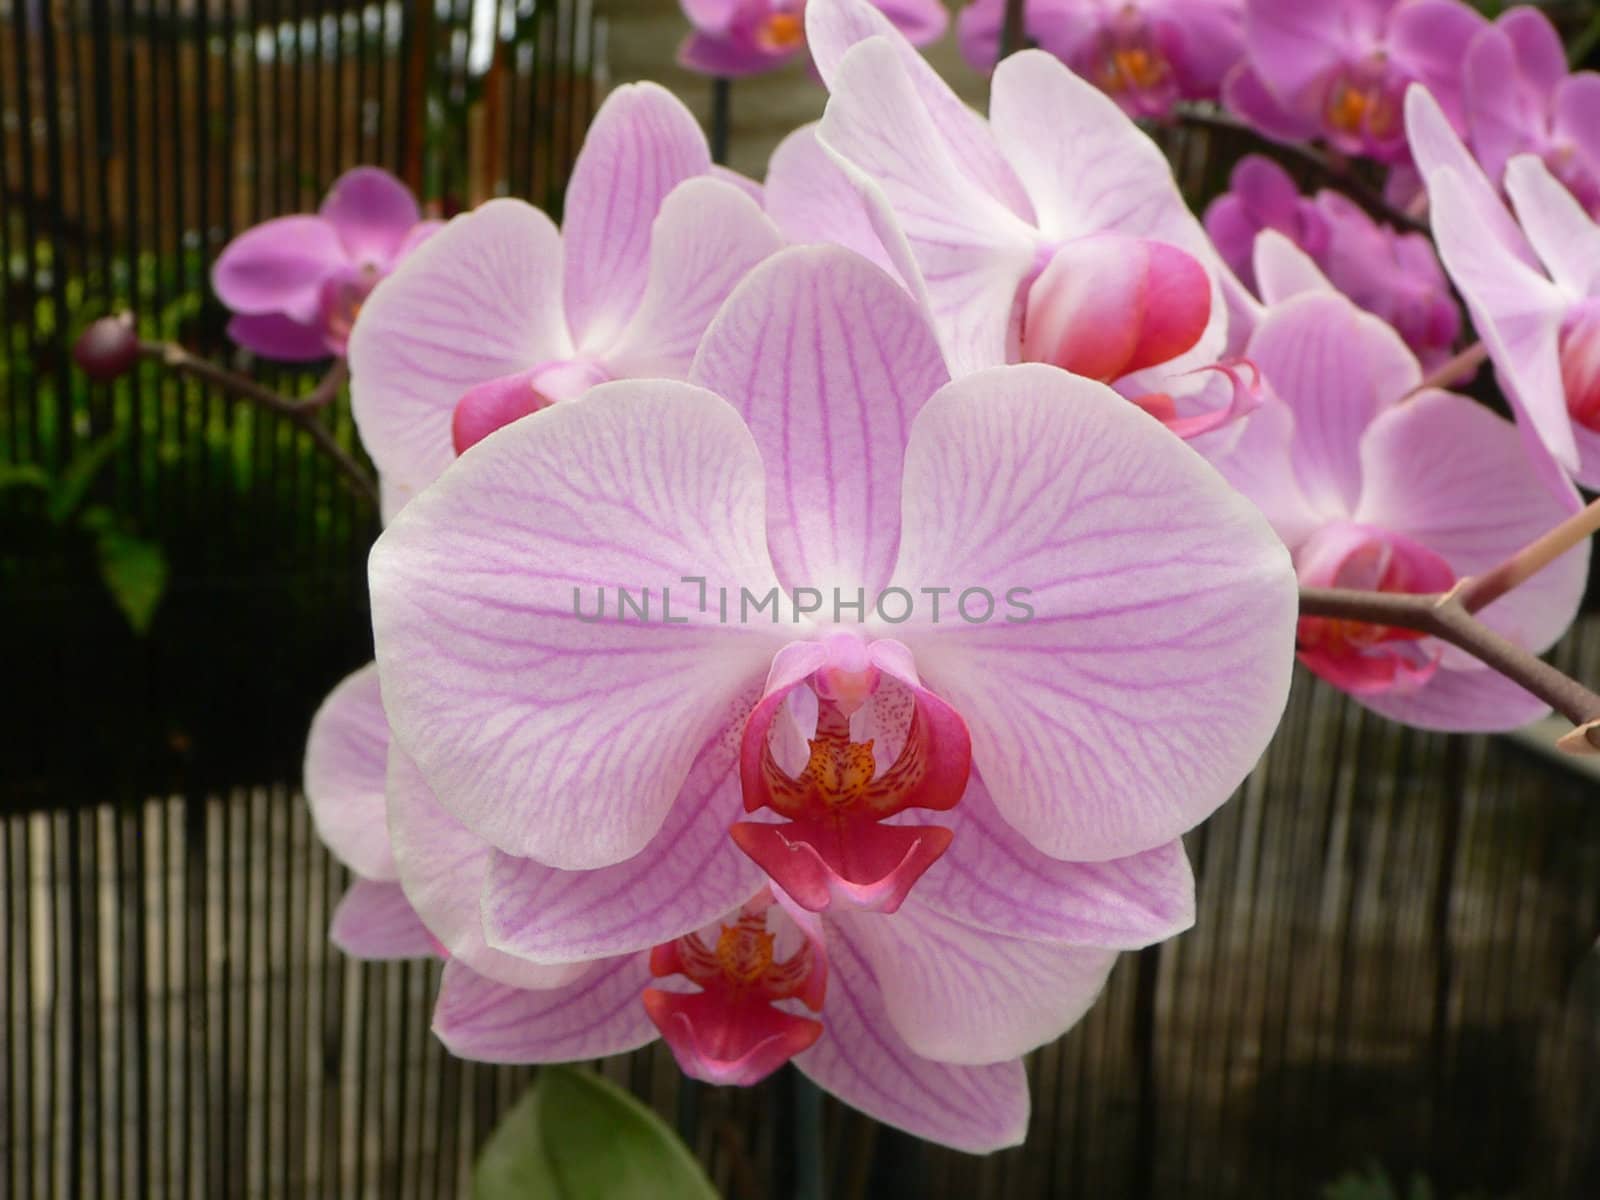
(1283, 270)
(278, 267)
(275, 336)
(833, 27)
(714, 16)
(743, 182)
(347, 752)
(828, 360)
(972, 251)
(1052, 126)
(1449, 473)
(688, 875)
(595, 1015)
(373, 212)
(1156, 662)
(1540, 56)
(1436, 148)
(992, 878)
(1565, 237)
(1247, 96)
(1577, 99)
(1259, 464)
(375, 921)
(1431, 38)
(1502, 119)
(862, 1060)
(1292, 44)
(921, 21)
(811, 199)
(1336, 367)
(642, 143)
(392, 497)
(726, 57)
(442, 868)
(957, 994)
(478, 300)
(551, 734)
(1461, 701)
(1518, 314)
(706, 239)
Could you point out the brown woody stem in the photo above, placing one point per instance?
(302, 411)
(1458, 369)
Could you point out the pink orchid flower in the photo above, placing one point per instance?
(1020, 250)
(799, 358)
(501, 313)
(733, 38)
(1339, 70)
(568, 783)
(1145, 54)
(1375, 484)
(1393, 275)
(297, 283)
(1532, 284)
(1520, 99)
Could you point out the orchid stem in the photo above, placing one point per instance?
(301, 411)
(807, 1139)
(1448, 618)
(1012, 28)
(1458, 369)
(721, 112)
(1477, 591)
(1329, 166)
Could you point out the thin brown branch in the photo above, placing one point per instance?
(1012, 28)
(1478, 591)
(1335, 170)
(1446, 617)
(1457, 369)
(302, 411)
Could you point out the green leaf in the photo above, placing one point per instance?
(80, 473)
(135, 572)
(575, 1136)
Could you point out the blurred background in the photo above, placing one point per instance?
(1392, 988)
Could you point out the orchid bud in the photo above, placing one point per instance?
(108, 348)
(1108, 305)
(1580, 363)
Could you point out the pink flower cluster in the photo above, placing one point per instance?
(753, 808)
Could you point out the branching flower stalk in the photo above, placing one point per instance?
(1451, 617)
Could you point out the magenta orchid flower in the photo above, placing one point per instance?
(733, 38)
(1375, 484)
(297, 283)
(1002, 797)
(1052, 232)
(1394, 275)
(501, 314)
(1532, 284)
(1145, 54)
(1339, 70)
(1519, 99)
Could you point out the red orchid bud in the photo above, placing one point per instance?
(107, 348)
(1107, 306)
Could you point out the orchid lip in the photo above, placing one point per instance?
(730, 1031)
(831, 847)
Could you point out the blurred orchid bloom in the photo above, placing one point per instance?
(1020, 250)
(1393, 275)
(1520, 99)
(568, 743)
(1376, 485)
(1145, 54)
(1339, 70)
(1532, 284)
(733, 38)
(296, 283)
(502, 314)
